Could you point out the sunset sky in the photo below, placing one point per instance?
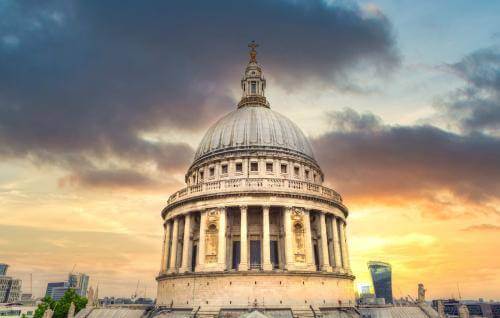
(102, 105)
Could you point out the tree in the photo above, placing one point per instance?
(61, 307)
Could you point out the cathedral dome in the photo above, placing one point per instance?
(254, 127)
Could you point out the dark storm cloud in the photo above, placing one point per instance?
(364, 157)
(476, 107)
(81, 80)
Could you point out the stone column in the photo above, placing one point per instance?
(186, 244)
(336, 243)
(201, 245)
(243, 266)
(166, 260)
(266, 240)
(287, 222)
(325, 258)
(308, 241)
(173, 249)
(163, 248)
(343, 243)
(221, 254)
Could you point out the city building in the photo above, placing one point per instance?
(56, 290)
(79, 282)
(381, 274)
(254, 226)
(16, 311)
(478, 308)
(3, 269)
(10, 288)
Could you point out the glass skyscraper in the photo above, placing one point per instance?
(3, 269)
(382, 280)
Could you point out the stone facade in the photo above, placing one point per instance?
(255, 227)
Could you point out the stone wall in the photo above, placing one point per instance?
(264, 290)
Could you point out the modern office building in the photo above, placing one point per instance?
(10, 288)
(476, 308)
(3, 269)
(56, 290)
(79, 282)
(381, 274)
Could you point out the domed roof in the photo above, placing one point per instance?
(254, 128)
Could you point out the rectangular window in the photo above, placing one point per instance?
(274, 253)
(296, 171)
(307, 174)
(269, 166)
(201, 175)
(236, 254)
(254, 88)
(283, 168)
(254, 166)
(224, 169)
(212, 171)
(239, 167)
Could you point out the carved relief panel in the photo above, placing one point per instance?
(212, 237)
(298, 235)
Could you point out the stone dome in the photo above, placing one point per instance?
(254, 128)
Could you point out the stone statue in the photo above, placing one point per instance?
(48, 313)
(71, 311)
(441, 309)
(421, 293)
(253, 52)
(90, 297)
(463, 311)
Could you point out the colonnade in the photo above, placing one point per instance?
(307, 240)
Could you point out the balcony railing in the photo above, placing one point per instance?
(255, 184)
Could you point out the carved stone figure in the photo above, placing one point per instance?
(463, 311)
(421, 293)
(299, 235)
(90, 297)
(71, 311)
(48, 313)
(212, 237)
(440, 308)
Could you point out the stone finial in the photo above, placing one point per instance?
(253, 52)
(421, 293)
(90, 297)
(48, 313)
(463, 311)
(71, 311)
(440, 309)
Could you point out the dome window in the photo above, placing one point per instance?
(296, 171)
(307, 174)
(224, 169)
(283, 168)
(201, 175)
(269, 166)
(212, 171)
(254, 166)
(239, 167)
(253, 86)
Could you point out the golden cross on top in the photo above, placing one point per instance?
(253, 52)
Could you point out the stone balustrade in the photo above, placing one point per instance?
(255, 185)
